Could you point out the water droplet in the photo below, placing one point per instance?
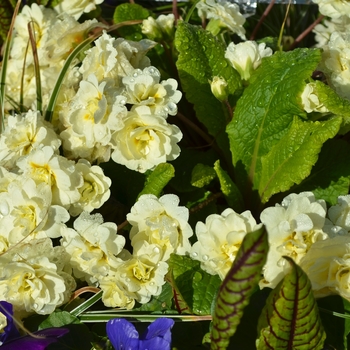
(172, 107)
(151, 284)
(194, 254)
(156, 250)
(205, 257)
(334, 229)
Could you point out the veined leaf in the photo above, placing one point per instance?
(202, 57)
(266, 109)
(238, 286)
(292, 158)
(158, 179)
(197, 287)
(290, 319)
(330, 177)
(229, 189)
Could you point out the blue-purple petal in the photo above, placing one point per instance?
(10, 331)
(122, 334)
(160, 328)
(47, 337)
(154, 344)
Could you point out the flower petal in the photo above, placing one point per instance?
(122, 334)
(160, 328)
(47, 337)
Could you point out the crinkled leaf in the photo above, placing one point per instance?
(201, 57)
(266, 109)
(202, 175)
(126, 12)
(161, 302)
(330, 177)
(292, 158)
(238, 286)
(331, 100)
(158, 179)
(290, 319)
(58, 319)
(229, 189)
(196, 286)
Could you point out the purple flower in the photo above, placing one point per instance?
(124, 336)
(42, 340)
(10, 331)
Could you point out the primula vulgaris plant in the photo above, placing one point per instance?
(168, 165)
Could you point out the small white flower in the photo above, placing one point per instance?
(333, 8)
(292, 229)
(29, 212)
(95, 190)
(339, 214)
(160, 28)
(220, 238)
(113, 296)
(143, 275)
(327, 265)
(23, 133)
(143, 88)
(324, 31)
(43, 165)
(145, 141)
(336, 63)
(32, 279)
(92, 246)
(224, 11)
(76, 8)
(245, 57)
(310, 100)
(161, 222)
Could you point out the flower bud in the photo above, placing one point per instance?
(219, 88)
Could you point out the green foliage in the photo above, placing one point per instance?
(290, 319)
(229, 189)
(126, 12)
(266, 110)
(161, 302)
(238, 287)
(196, 287)
(330, 177)
(58, 319)
(158, 179)
(201, 57)
(290, 160)
(202, 175)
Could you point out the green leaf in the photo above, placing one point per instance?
(126, 12)
(158, 179)
(196, 286)
(58, 319)
(202, 175)
(331, 100)
(290, 319)
(266, 109)
(330, 177)
(238, 286)
(229, 189)
(201, 57)
(292, 158)
(161, 302)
